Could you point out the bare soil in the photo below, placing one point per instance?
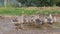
(7, 27)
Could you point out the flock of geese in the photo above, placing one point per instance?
(37, 19)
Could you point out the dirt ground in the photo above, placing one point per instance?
(7, 27)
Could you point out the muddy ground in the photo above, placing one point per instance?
(7, 27)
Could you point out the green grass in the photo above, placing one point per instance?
(14, 11)
(18, 11)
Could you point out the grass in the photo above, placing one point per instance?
(28, 11)
(15, 11)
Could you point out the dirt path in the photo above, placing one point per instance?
(7, 27)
